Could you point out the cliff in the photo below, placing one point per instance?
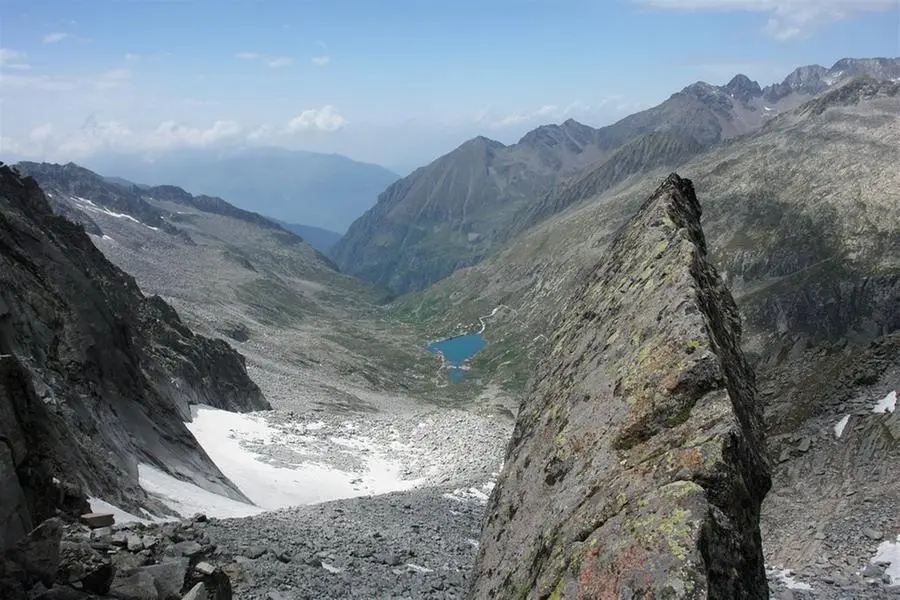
(637, 467)
(95, 378)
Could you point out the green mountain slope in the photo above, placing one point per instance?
(800, 218)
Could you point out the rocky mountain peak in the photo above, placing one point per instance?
(879, 68)
(636, 468)
(743, 88)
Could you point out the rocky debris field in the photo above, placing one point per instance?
(435, 447)
(418, 544)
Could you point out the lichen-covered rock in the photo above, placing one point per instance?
(637, 466)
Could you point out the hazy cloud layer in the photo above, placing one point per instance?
(788, 19)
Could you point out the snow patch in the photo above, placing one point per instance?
(188, 499)
(295, 478)
(472, 494)
(889, 552)
(94, 208)
(887, 404)
(121, 516)
(786, 576)
(840, 425)
(767, 109)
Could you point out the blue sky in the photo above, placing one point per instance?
(396, 82)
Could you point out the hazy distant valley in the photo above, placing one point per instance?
(799, 193)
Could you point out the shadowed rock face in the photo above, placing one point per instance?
(636, 469)
(94, 377)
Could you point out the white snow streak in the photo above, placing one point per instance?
(93, 207)
(840, 425)
(889, 552)
(887, 404)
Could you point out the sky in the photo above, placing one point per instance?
(395, 82)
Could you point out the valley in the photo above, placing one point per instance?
(561, 325)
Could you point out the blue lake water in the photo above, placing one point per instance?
(457, 350)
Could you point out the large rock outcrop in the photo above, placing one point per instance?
(637, 466)
(95, 378)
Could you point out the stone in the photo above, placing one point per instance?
(198, 592)
(134, 543)
(187, 548)
(95, 520)
(82, 565)
(37, 555)
(217, 584)
(103, 532)
(134, 585)
(872, 534)
(150, 541)
(205, 568)
(119, 538)
(637, 466)
(255, 551)
(284, 556)
(169, 577)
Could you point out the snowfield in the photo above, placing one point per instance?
(280, 460)
(242, 447)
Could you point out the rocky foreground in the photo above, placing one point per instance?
(407, 545)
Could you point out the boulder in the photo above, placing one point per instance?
(98, 520)
(637, 465)
(85, 567)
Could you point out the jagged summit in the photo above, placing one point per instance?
(637, 467)
(435, 221)
(743, 88)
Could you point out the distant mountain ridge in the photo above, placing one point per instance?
(453, 212)
(63, 182)
(321, 190)
(322, 240)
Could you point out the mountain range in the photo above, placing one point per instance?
(327, 191)
(457, 210)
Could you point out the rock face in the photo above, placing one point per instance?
(95, 378)
(454, 212)
(637, 467)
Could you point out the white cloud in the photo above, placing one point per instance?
(43, 83)
(326, 118)
(320, 61)
(41, 133)
(113, 79)
(263, 132)
(131, 56)
(8, 55)
(91, 138)
(52, 38)
(788, 19)
(199, 102)
(172, 134)
(544, 114)
(47, 142)
(273, 62)
(279, 62)
(9, 146)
